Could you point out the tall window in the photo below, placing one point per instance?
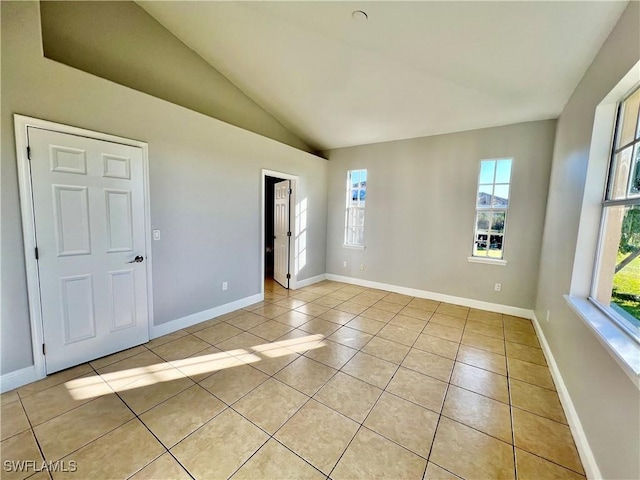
(492, 204)
(354, 216)
(616, 286)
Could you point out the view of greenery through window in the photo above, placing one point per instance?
(626, 280)
(617, 284)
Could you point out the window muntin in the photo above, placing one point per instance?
(616, 286)
(356, 200)
(492, 203)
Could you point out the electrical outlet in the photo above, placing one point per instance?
(362, 266)
(547, 315)
(156, 234)
(498, 287)
(225, 285)
(344, 264)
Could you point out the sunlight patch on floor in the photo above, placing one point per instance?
(122, 380)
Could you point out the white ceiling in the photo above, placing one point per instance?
(413, 69)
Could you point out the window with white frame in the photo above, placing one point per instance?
(492, 203)
(354, 215)
(616, 285)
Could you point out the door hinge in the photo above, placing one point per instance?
(290, 191)
(44, 349)
(29, 152)
(288, 275)
(288, 234)
(37, 257)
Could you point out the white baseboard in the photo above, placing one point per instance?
(582, 444)
(310, 281)
(438, 297)
(190, 320)
(21, 377)
(18, 378)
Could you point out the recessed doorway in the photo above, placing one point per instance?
(278, 230)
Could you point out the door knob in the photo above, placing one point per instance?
(138, 259)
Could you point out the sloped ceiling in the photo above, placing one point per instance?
(412, 69)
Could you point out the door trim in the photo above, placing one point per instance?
(293, 242)
(21, 124)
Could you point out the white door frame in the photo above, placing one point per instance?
(294, 237)
(21, 123)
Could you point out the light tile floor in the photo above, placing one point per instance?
(331, 380)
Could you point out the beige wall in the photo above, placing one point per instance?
(121, 42)
(205, 181)
(607, 402)
(421, 208)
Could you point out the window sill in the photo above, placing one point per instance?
(624, 350)
(487, 261)
(354, 247)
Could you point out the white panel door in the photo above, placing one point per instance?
(282, 234)
(88, 198)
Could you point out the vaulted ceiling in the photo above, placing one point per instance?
(411, 69)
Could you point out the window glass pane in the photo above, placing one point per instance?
(480, 245)
(620, 179)
(356, 197)
(501, 196)
(497, 223)
(492, 202)
(503, 171)
(487, 170)
(482, 222)
(495, 246)
(634, 187)
(618, 282)
(355, 178)
(628, 119)
(484, 195)
(350, 235)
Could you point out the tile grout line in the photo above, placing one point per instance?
(382, 393)
(507, 376)
(137, 417)
(272, 436)
(444, 399)
(99, 436)
(513, 427)
(33, 434)
(329, 379)
(449, 383)
(388, 322)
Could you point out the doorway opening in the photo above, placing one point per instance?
(278, 236)
(269, 227)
